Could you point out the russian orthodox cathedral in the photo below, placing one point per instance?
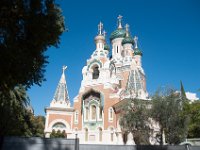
(110, 76)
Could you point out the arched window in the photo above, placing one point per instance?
(110, 114)
(123, 53)
(76, 117)
(86, 134)
(86, 113)
(93, 112)
(95, 74)
(59, 125)
(100, 134)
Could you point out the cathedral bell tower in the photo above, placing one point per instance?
(59, 114)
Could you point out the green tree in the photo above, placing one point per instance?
(27, 29)
(37, 125)
(58, 134)
(168, 111)
(14, 118)
(135, 120)
(194, 112)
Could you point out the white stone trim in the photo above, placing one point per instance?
(61, 121)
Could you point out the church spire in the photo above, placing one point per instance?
(183, 95)
(61, 93)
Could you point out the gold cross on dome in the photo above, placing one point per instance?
(136, 40)
(100, 28)
(104, 33)
(119, 21)
(119, 17)
(127, 30)
(127, 27)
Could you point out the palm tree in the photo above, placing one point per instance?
(13, 104)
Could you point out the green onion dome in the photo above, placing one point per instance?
(128, 40)
(106, 47)
(119, 33)
(137, 52)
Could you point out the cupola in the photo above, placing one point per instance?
(136, 49)
(128, 39)
(120, 32)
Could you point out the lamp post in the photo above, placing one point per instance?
(76, 141)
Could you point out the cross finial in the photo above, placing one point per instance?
(119, 21)
(127, 30)
(100, 28)
(104, 33)
(64, 68)
(136, 40)
(127, 27)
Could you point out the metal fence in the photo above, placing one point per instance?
(136, 147)
(35, 143)
(16, 143)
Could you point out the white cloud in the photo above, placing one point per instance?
(191, 96)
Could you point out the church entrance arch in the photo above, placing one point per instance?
(59, 125)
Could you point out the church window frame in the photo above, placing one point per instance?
(95, 72)
(93, 112)
(123, 53)
(86, 114)
(76, 113)
(110, 114)
(59, 125)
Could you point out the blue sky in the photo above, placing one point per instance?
(169, 37)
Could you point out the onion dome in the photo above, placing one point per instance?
(136, 49)
(128, 39)
(119, 33)
(106, 47)
(137, 52)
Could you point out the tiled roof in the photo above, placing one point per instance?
(61, 93)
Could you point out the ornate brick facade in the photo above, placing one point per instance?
(106, 82)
